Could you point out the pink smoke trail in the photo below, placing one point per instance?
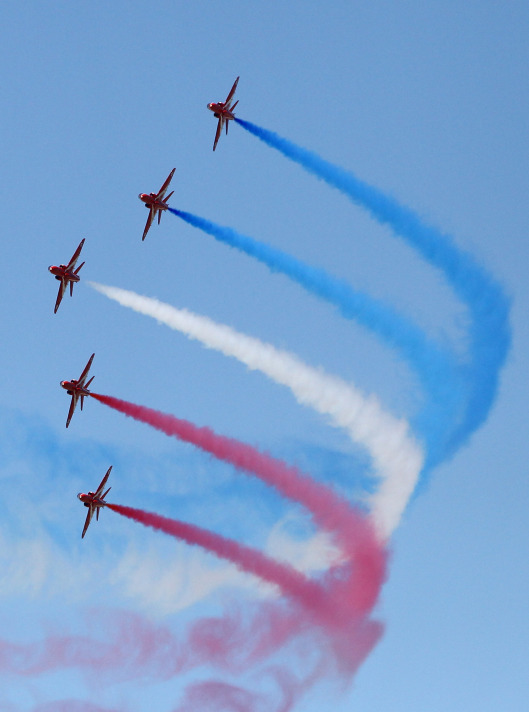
(214, 695)
(122, 645)
(290, 581)
(73, 706)
(354, 585)
(351, 588)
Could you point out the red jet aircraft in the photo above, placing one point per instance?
(156, 202)
(66, 274)
(223, 111)
(94, 501)
(78, 389)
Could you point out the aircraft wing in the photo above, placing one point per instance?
(87, 520)
(164, 187)
(72, 409)
(150, 218)
(219, 131)
(84, 374)
(232, 92)
(75, 257)
(60, 294)
(102, 484)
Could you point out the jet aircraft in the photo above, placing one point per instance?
(78, 389)
(156, 202)
(223, 111)
(66, 274)
(94, 501)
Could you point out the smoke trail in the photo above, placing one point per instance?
(73, 706)
(122, 646)
(396, 457)
(217, 695)
(433, 365)
(490, 335)
(352, 532)
(250, 560)
(352, 634)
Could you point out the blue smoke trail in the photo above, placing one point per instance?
(489, 330)
(433, 365)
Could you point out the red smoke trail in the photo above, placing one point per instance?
(217, 695)
(73, 706)
(291, 582)
(122, 646)
(351, 636)
(356, 584)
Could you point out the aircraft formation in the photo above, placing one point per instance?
(68, 274)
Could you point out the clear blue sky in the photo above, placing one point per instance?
(428, 101)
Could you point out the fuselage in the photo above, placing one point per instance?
(90, 500)
(150, 201)
(219, 110)
(60, 272)
(73, 387)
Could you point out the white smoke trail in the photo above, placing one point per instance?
(397, 458)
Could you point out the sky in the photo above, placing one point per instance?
(425, 103)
